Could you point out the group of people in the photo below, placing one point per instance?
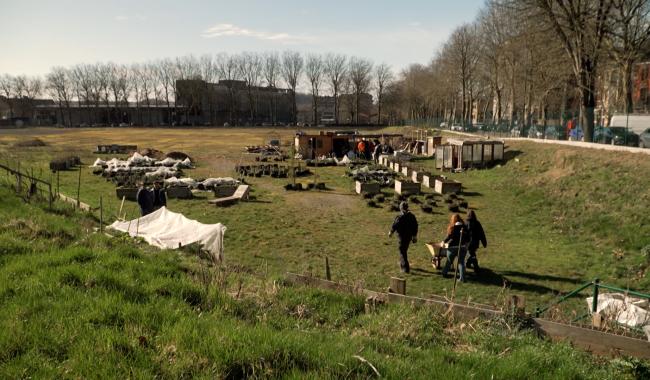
(151, 200)
(463, 237)
(371, 150)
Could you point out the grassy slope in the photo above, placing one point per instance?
(74, 304)
(552, 219)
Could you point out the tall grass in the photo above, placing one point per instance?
(78, 304)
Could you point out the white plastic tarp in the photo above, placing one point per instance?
(166, 229)
(628, 311)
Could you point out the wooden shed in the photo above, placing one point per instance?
(464, 154)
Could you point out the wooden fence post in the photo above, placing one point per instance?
(328, 275)
(79, 188)
(101, 214)
(398, 285)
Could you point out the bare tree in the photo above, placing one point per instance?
(314, 69)
(461, 53)
(7, 86)
(83, 81)
(135, 79)
(335, 71)
(292, 65)
(209, 74)
(229, 72)
(360, 71)
(582, 27)
(118, 86)
(250, 68)
(383, 78)
(271, 72)
(630, 32)
(166, 71)
(59, 84)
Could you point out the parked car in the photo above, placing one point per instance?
(620, 136)
(443, 124)
(535, 132)
(457, 127)
(616, 136)
(644, 139)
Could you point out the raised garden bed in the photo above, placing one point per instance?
(131, 193)
(406, 187)
(367, 187)
(179, 192)
(446, 186)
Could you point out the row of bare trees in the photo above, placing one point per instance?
(109, 87)
(521, 60)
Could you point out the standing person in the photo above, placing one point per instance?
(377, 152)
(476, 236)
(145, 199)
(406, 226)
(361, 148)
(159, 196)
(457, 237)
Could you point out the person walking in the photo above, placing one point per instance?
(377, 151)
(476, 236)
(457, 238)
(159, 196)
(145, 199)
(406, 226)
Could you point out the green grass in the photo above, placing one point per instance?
(555, 217)
(78, 304)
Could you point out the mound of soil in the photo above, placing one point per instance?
(30, 143)
(178, 156)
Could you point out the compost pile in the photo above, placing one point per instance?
(140, 168)
(201, 184)
(372, 174)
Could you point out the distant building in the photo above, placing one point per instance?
(233, 102)
(347, 109)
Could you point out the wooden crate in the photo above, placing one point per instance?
(224, 191)
(446, 186)
(179, 192)
(367, 188)
(407, 188)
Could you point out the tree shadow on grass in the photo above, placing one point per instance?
(472, 194)
(489, 277)
(542, 277)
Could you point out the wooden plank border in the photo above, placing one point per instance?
(597, 342)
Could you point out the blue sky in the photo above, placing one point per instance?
(37, 35)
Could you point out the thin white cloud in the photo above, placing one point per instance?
(230, 30)
(123, 18)
(415, 24)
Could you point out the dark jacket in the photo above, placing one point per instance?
(159, 198)
(145, 201)
(454, 237)
(405, 225)
(476, 234)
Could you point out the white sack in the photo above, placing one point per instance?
(166, 229)
(625, 310)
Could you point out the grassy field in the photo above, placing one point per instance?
(77, 304)
(554, 216)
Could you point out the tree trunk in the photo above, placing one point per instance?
(588, 103)
(336, 106)
(379, 109)
(629, 87)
